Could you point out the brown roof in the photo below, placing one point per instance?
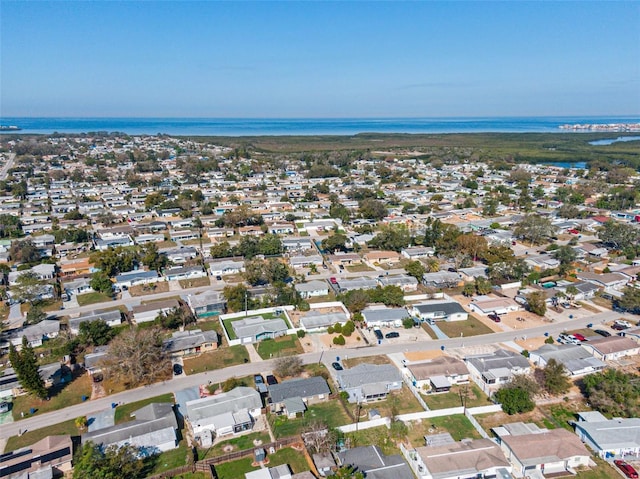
(463, 458)
(552, 446)
(613, 344)
(442, 366)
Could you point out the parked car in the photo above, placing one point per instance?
(333, 280)
(258, 379)
(494, 317)
(619, 327)
(177, 369)
(337, 366)
(602, 332)
(378, 333)
(626, 468)
(271, 380)
(218, 278)
(392, 334)
(579, 337)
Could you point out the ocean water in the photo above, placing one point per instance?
(301, 126)
(611, 141)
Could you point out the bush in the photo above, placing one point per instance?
(288, 366)
(525, 353)
(549, 340)
(301, 333)
(337, 328)
(330, 330)
(349, 328)
(407, 323)
(339, 340)
(514, 400)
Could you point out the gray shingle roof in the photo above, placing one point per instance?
(303, 387)
(368, 374)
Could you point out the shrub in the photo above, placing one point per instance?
(301, 333)
(549, 340)
(339, 340)
(525, 353)
(407, 323)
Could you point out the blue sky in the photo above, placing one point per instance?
(319, 59)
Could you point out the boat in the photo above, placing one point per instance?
(10, 128)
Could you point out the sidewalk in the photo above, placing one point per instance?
(254, 357)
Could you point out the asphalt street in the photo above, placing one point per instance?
(265, 367)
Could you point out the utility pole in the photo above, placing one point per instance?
(246, 310)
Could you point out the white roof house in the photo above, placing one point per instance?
(617, 435)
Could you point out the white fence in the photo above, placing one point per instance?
(383, 421)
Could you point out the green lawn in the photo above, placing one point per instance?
(92, 298)
(237, 469)
(330, 413)
(123, 413)
(475, 397)
(30, 437)
(238, 443)
(61, 397)
(232, 335)
(375, 436)
(397, 402)
(218, 359)
(602, 471)
(468, 327)
(170, 459)
(457, 425)
(561, 414)
(282, 346)
(429, 331)
(358, 268)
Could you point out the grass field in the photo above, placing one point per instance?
(454, 398)
(397, 402)
(92, 298)
(123, 413)
(30, 437)
(429, 331)
(287, 455)
(352, 362)
(468, 327)
(239, 443)
(457, 425)
(152, 288)
(61, 397)
(170, 459)
(603, 470)
(330, 413)
(283, 346)
(194, 283)
(375, 436)
(219, 359)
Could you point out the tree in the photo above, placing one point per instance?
(613, 392)
(221, 250)
(270, 245)
(391, 237)
(152, 258)
(25, 364)
(114, 462)
(175, 318)
(81, 422)
(339, 340)
(469, 289)
(101, 282)
(372, 209)
(236, 297)
(619, 235)
(318, 437)
(483, 286)
(24, 251)
(512, 270)
(288, 366)
(35, 314)
(115, 260)
(10, 226)
(472, 245)
(630, 299)
(535, 229)
(514, 400)
(259, 271)
(335, 242)
(416, 269)
(95, 333)
(555, 378)
(346, 472)
(137, 357)
(536, 303)
(566, 255)
(408, 323)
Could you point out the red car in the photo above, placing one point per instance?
(628, 470)
(579, 337)
(333, 280)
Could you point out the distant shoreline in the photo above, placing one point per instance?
(239, 127)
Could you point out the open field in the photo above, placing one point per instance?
(92, 298)
(287, 455)
(330, 413)
(455, 397)
(194, 283)
(219, 359)
(283, 346)
(466, 328)
(153, 288)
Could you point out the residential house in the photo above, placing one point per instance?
(541, 262)
(93, 361)
(76, 267)
(292, 397)
(350, 284)
(576, 360)
(312, 289)
(279, 472)
(297, 244)
(149, 312)
(478, 458)
(225, 414)
(418, 252)
(316, 320)
(207, 304)
(374, 464)
(36, 334)
(324, 462)
(190, 342)
(180, 255)
(344, 259)
(439, 373)
(225, 266)
(298, 262)
(614, 281)
(256, 328)
(612, 348)
(184, 272)
(369, 382)
(403, 281)
(552, 451)
(49, 457)
(134, 278)
(382, 316)
(586, 290)
(77, 286)
(439, 311)
(441, 279)
(382, 257)
(608, 437)
(486, 305)
(112, 242)
(112, 318)
(183, 235)
(491, 371)
(153, 430)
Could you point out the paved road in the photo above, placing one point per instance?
(4, 172)
(265, 367)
